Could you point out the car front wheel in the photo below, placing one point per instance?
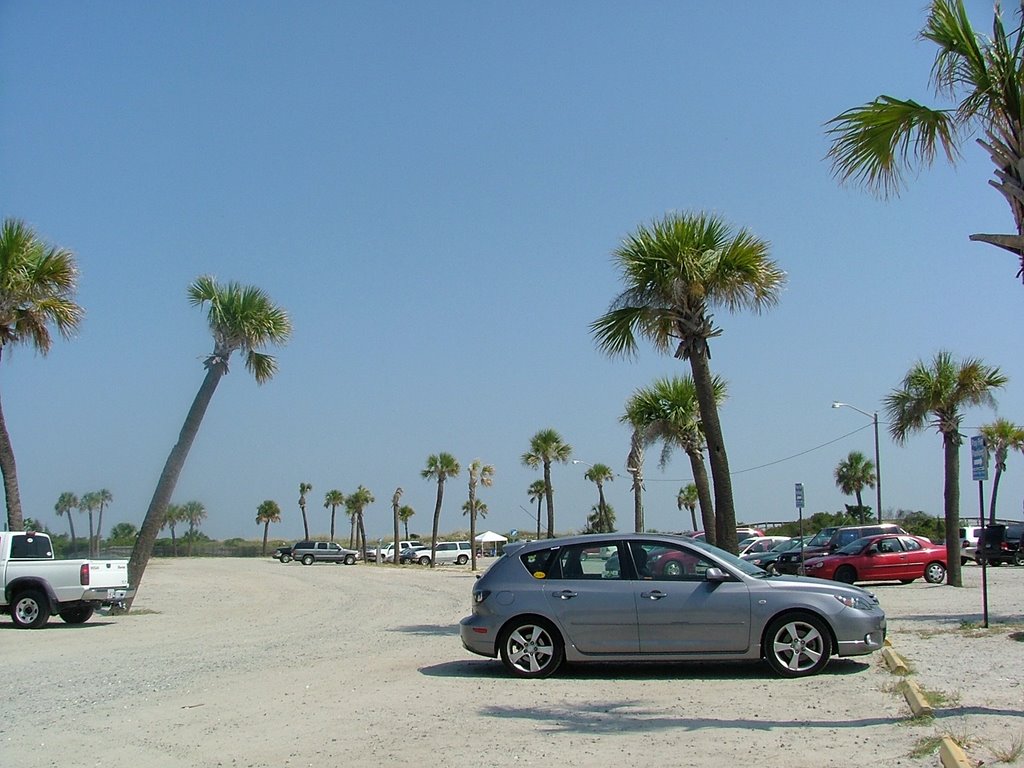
(935, 573)
(462, 560)
(797, 645)
(286, 558)
(531, 648)
(31, 609)
(424, 560)
(846, 574)
(1018, 558)
(307, 559)
(350, 559)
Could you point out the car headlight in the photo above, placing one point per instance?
(855, 601)
(818, 564)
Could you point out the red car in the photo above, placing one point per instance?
(882, 558)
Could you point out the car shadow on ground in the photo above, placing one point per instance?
(431, 630)
(58, 625)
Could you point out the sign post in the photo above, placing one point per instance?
(979, 472)
(800, 513)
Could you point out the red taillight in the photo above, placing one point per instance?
(480, 630)
(83, 574)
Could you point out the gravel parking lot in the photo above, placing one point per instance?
(234, 662)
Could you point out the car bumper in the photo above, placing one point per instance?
(108, 596)
(478, 636)
(864, 634)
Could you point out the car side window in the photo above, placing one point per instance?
(889, 545)
(576, 562)
(668, 562)
(539, 562)
(911, 545)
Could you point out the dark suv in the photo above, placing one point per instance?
(790, 562)
(1001, 544)
(309, 552)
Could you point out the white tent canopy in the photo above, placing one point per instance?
(490, 536)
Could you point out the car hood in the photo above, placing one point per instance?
(823, 586)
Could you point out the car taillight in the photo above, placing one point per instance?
(480, 595)
(83, 574)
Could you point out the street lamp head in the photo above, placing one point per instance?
(837, 404)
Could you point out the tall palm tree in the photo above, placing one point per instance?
(103, 498)
(546, 447)
(1001, 437)
(266, 513)
(67, 502)
(396, 500)
(404, 513)
(357, 502)
(241, 318)
(89, 503)
(599, 474)
(687, 497)
(332, 499)
(37, 291)
(676, 270)
(853, 474)
(667, 411)
(934, 394)
(440, 467)
(172, 517)
(304, 488)
(537, 491)
(482, 474)
(193, 512)
(980, 79)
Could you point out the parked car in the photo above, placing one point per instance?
(447, 552)
(543, 603)
(412, 554)
(1002, 544)
(741, 533)
(388, 550)
(882, 558)
(284, 554)
(760, 544)
(790, 562)
(309, 552)
(767, 559)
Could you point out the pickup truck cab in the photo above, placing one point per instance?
(36, 586)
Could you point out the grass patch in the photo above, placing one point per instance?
(926, 745)
(940, 699)
(1009, 753)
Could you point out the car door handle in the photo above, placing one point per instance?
(565, 594)
(655, 594)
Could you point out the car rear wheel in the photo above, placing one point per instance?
(531, 648)
(286, 558)
(935, 573)
(846, 574)
(462, 560)
(672, 568)
(797, 645)
(78, 615)
(350, 559)
(1018, 558)
(425, 560)
(31, 609)
(307, 559)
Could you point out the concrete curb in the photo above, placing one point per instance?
(916, 699)
(894, 662)
(952, 755)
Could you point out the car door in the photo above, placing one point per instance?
(887, 560)
(678, 610)
(917, 557)
(594, 605)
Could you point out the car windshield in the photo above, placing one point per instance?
(854, 547)
(821, 538)
(782, 546)
(743, 566)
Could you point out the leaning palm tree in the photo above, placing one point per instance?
(482, 474)
(67, 502)
(934, 394)
(172, 517)
(396, 500)
(404, 513)
(853, 474)
(687, 497)
(980, 79)
(546, 447)
(193, 512)
(599, 474)
(1001, 437)
(676, 270)
(89, 503)
(266, 513)
(241, 318)
(357, 502)
(439, 467)
(332, 500)
(103, 497)
(537, 491)
(37, 292)
(304, 488)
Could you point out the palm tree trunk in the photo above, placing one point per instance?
(332, 523)
(157, 510)
(725, 511)
(951, 446)
(74, 542)
(437, 521)
(352, 531)
(15, 519)
(635, 467)
(995, 491)
(362, 535)
(99, 527)
(92, 540)
(860, 507)
(539, 502)
(174, 543)
(394, 513)
(707, 508)
(549, 494)
(602, 510)
(472, 526)
(305, 523)
(266, 531)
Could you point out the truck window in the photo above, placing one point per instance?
(30, 548)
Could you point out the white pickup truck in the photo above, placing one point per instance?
(35, 586)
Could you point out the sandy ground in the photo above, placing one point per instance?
(232, 662)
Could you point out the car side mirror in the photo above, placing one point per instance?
(872, 550)
(715, 574)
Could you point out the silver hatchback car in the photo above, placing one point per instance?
(652, 597)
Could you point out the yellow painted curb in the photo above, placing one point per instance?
(916, 699)
(894, 662)
(951, 755)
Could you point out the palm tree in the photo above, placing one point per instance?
(545, 447)
(194, 512)
(1001, 437)
(853, 474)
(357, 502)
(304, 488)
(266, 513)
(600, 520)
(172, 517)
(933, 394)
(103, 497)
(876, 143)
(537, 491)
(241, 318)
(404, 514)
(67, 502)
(439, 467)
(483, 474)
(687, 497)
(89, 503)
(667, 411)
(37, 291)
(396, 509)
(676, 271)
(599, 474)
(332, 499)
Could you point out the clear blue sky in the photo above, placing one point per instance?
(433, 191)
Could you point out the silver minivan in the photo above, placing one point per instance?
(457, 552)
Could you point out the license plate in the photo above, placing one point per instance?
(116, 594)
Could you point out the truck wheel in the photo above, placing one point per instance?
(350, 559)
(307, 559)
(286, 558)
(424, 560)
(31, 609)
(462, 560)
(78, 615)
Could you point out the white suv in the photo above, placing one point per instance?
(448, 552)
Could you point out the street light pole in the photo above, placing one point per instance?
(878, 461)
